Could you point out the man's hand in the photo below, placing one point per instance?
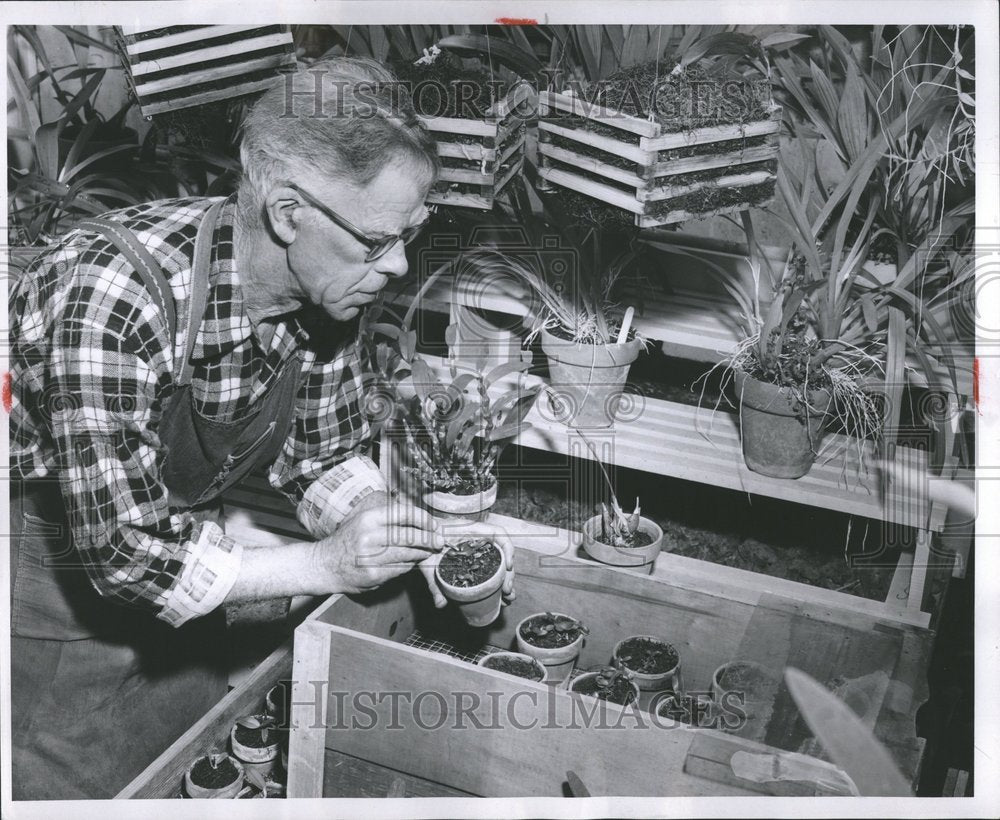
(376, 542)
(454, 530)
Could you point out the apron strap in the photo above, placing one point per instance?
(156, 282)
(142, 262)
(200, 268)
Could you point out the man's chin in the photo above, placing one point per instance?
(343, 314)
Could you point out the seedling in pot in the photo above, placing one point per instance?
(260, 727)
(256, 741)
(471, 574)
(610, 683)
(514, 663)
(621, 529)
(549, 631)
(655, 663)
(618, 538)
(470, 562)
(554, 639)
(214, 776)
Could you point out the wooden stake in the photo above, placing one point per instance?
(626, 324)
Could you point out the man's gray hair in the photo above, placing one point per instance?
(342, 119)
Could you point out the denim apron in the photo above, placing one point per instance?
(100, 690)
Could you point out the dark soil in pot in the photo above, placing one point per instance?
(620, 691)
(760, 534)
(515, 666)
(202, 774)
(648, 657)
(552, 639)
(253, 737)
(466, 487)
(470, 563)
(639, 538)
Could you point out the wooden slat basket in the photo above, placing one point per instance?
(183, 66)
(480, 157)
(660, 177)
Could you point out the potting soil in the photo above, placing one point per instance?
(640, 538)
(620, 691)
(202, 774)
(552, 639)
(253, 737)
(515, 666)
(466, 569)
(646, 656)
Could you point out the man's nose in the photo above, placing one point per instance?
(394, 262)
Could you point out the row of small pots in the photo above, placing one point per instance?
(479, 601)
(257, 742)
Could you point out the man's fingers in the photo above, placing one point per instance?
(394, 556)
(396, 514)
(414, 537)
(456, 530)
(427, 568)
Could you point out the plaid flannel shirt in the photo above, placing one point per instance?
(91, 364)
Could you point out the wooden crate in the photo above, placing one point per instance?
(480, 157)
(372, 691)
(646, 189)
(183, 66)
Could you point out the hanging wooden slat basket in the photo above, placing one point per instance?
(183, 66)
(480, 157)
(661, 177)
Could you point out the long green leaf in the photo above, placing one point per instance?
(76, 149)
(506, 369)
(825, 93)
(424, 379)
(31, 35)
(852, 115)
(523, 63)
(69, 173)
(77, 37)
(83, 96)
(806, 239)
(467, 416)
(25, 106)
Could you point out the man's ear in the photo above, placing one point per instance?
(280, 206)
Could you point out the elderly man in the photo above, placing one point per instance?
(159, 354)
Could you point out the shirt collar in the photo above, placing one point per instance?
(225, 324)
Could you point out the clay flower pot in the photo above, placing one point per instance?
(473, 507)
(589, 683)
(250, 745)
(641, 559)
(557, 659)
(777, 441)
(514, 663)
(588, 379)
(223, 781)
(654, 663)
(745, 692)
(460, 579)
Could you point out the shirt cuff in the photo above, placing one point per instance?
(332, 496)
(207, 577)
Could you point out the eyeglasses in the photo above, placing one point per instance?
(377, 246)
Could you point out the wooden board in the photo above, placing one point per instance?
(698, 444)
(645, 178)
(524, 759)
(164, 776)
(200, 66)
(347, 776)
